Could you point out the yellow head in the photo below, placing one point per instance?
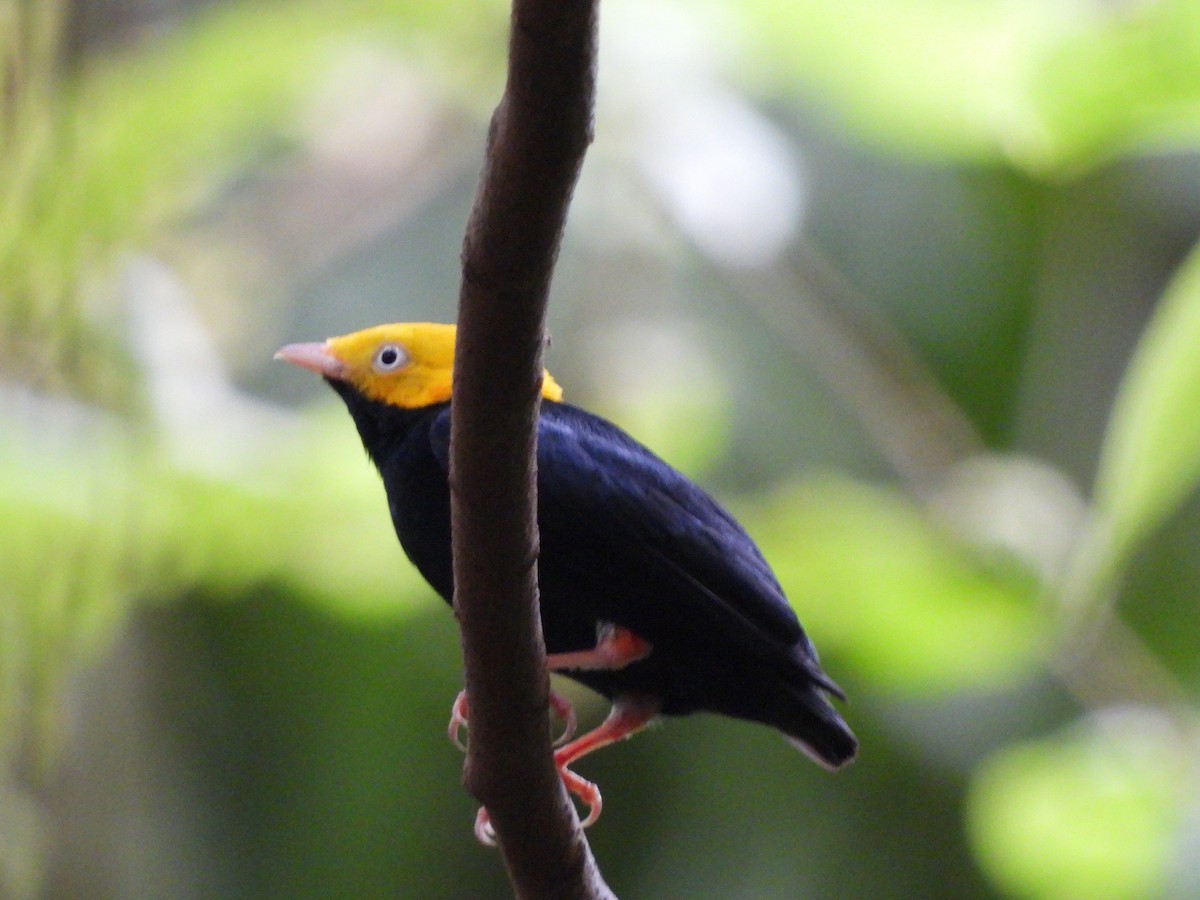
(406, 365)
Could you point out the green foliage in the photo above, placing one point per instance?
(912, 609)
(64, 557)
(230, 534)
(1151, 454)
(100, 511)
(1049, 87)
(93, 162)
(685, 418)
(1090, 812)
(94, 521)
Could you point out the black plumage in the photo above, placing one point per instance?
(626, 540)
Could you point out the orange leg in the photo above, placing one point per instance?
(626, 719)
(616, 647)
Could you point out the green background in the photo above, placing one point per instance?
(907, 284)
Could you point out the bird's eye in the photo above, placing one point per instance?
(389, 358)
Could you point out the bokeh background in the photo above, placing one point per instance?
(905, 283)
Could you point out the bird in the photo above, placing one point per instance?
(652, 594)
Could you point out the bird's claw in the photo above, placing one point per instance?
(458, 721)
(586, 791)
(564, 710)
(459, 713)
(484, 832)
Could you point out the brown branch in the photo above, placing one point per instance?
(538, 137)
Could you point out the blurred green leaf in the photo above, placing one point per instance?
(1087, 813)
(1151, 455)
(66, 508)
(91, 162)
(92, 521)
(309, 512)
(94, 516)
(879, 584)
(1048, 86)
(1124, 79)
(688, 423)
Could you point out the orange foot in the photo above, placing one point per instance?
(587, 793)
(459, 711)
(628, 717)
(616, 647)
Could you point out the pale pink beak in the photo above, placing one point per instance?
(315, 358)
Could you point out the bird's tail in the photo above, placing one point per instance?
(813, 726)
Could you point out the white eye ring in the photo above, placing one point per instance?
(389, 358)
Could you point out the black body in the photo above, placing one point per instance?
(626, 539)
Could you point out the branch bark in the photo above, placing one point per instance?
(536, 143)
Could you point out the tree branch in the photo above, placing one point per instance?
(536, 143)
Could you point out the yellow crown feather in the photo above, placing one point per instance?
(406, 365)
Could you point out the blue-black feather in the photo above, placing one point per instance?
(627, 539)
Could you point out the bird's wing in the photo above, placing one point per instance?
(594, 474)
(596, 482)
